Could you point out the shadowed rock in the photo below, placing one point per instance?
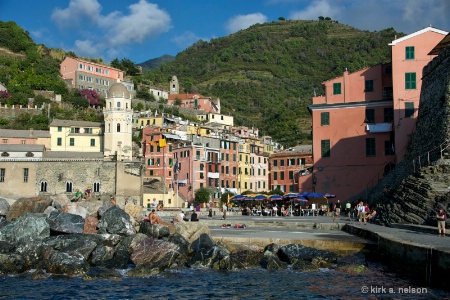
(11, 263)
(4, 207)
(154, 230)
(102, 273)
(27, 205)
(61, 222)
(288, 253)
(115, 220)
(66, 263)
(270, 261)
(29, 226)
(155, 253)
(245, 259)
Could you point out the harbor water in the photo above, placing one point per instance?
(375, 282)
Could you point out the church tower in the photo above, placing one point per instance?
(174, 86)
(118, 127)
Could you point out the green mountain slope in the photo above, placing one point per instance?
(154, 63)
(267, 74)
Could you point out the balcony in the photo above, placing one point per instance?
(379, 127)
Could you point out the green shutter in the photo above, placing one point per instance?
(337, 88)
(324, 118)
(409, 109)
(410, 81)
(409, 52)
(325, 148)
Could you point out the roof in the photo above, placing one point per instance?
(186, 96)
(66, 123)
(15, 133)
(66, 154)
(417, 33)
(350, 104)
(21, 148)
(441, 46)
(92, 63)
(118, 90)
(172, 136)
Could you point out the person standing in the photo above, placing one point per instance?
(337, 209)
(348, 207)
(210, 212)
(362, 213)
(441, 218)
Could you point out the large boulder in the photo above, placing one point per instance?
(26, 227)
(60, 200)
(91, 207)
(27, 205)
(90, 225)
(4, 207)
(293, 252)
(61, 222)
(209, 254)
(246, 259)
(270, 261)
(134, 211)
(191, 230)
(154, 230)
(71, 244)
(115, 220)
(66, 263)
(104, 207)
(11, 263)
(75, 209)
(155, 254)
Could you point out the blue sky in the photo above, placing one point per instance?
(144, 29)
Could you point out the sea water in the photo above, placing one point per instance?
(376, 282)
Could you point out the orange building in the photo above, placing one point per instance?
(362, 123)
(195, 101)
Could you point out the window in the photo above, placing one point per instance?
(69, 187)
(324, 118)
(409, 109)
(337, 88)
(410, 81)
(275, 176)
(59, 142)
(325, 148)
(370, 147)
(92, 142)
(5, 141)
(281, 175)
(118, 127)
(72, 141)
(275, 162)
(2, 175)
(409, 52)
(59, 128)
(370, 116)
(25, 175)
(389, 148)
(388, 114)
(43, 186)
(281, 162)
(291, 175)
(368, 86)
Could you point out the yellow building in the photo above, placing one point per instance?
(143, 121)
(216, 118)
(76, 136)
(244, 167)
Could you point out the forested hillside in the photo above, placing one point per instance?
(267, 74)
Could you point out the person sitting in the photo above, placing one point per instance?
(77, 196)
(154, 218)
(88, 192)
(371, 215)
(194, 216)
(240, 225)
(159, 207)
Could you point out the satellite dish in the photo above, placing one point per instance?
(125, 149)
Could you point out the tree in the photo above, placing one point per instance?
(202, 195)
(281, 19)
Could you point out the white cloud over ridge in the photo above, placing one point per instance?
(116, 29)
(240, 22)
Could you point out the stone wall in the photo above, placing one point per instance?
(82, 173)
(418, 186)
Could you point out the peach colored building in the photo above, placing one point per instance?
(196, 101)
(26, 137)
(361, 125)
(82, 74)
(409, 55)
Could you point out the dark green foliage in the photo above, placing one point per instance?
(202, 195)
(154, 63)
(267, 74)
(144, 94)
(27, 121)
(125, 65)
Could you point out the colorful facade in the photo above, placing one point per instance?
(362, 123)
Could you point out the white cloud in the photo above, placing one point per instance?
(315, 9)
(244, 21)
(145, 20)
(117, 29)
(77, 12)
(186, 39)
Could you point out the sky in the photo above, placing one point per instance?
(140, 30)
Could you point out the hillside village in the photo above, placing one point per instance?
(360, 128)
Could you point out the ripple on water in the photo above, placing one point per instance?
(208, 284)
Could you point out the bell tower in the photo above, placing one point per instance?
(118, 127)
(174, 86)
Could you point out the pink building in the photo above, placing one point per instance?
(82, 74)
(361, 125)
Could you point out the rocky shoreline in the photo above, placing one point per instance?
(95, 239)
